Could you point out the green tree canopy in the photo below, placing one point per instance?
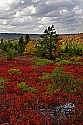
(48, 42)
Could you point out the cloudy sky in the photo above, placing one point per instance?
(34, 16)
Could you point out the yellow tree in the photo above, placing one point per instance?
(30, 48)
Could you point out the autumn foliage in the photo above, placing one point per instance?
(29, 95)
(30, 48)
(43, 86)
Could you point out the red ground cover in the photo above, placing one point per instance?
(19, 107)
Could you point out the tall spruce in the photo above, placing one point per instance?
(50, 38)
(21, 42)
(27, 38)
(21, 45)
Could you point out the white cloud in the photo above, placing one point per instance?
(36, 15)
(77, 10)
(4, 22)
(48, 2)
(22, 1)
(6, 4)
(32, 9)
(63, 11)
(35, 0)
(29, 10)
(44, 20)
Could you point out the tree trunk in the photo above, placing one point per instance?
(51, 47)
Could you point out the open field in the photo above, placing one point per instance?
(31, 90)
(41, 80)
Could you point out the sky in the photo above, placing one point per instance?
(34, 16)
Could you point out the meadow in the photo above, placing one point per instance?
(37, 90)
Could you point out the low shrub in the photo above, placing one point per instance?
(59, 76)
(45, 76)
(64, 62)
(51, 87)
(10, 54)
(25, 87)
(14, 71)
(2, 84)
(41, 62)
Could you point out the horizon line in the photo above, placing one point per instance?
(35, 33)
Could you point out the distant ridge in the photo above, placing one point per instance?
(18, 35)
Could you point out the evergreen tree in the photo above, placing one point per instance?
(21, 42)
(27, 38)
(50, 38)
(2, 40)
(21, 45)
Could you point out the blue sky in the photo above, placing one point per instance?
(34, 16)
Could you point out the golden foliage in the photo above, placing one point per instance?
(30, 47)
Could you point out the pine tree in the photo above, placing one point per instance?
(21, 45)
(50, 38)
(27, 38)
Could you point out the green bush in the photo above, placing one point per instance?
(32, 89)
(75, 58)
(64, 62)
(51, 87)
(25, 87)
(41, 62)
(59, 76)
(45, 76)
(58, 60)
(2, 84)
(14, 71)
(10, 54)
(2, 80)
(80, 63)
(9, 50)
(74, 86)
(73, 49)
